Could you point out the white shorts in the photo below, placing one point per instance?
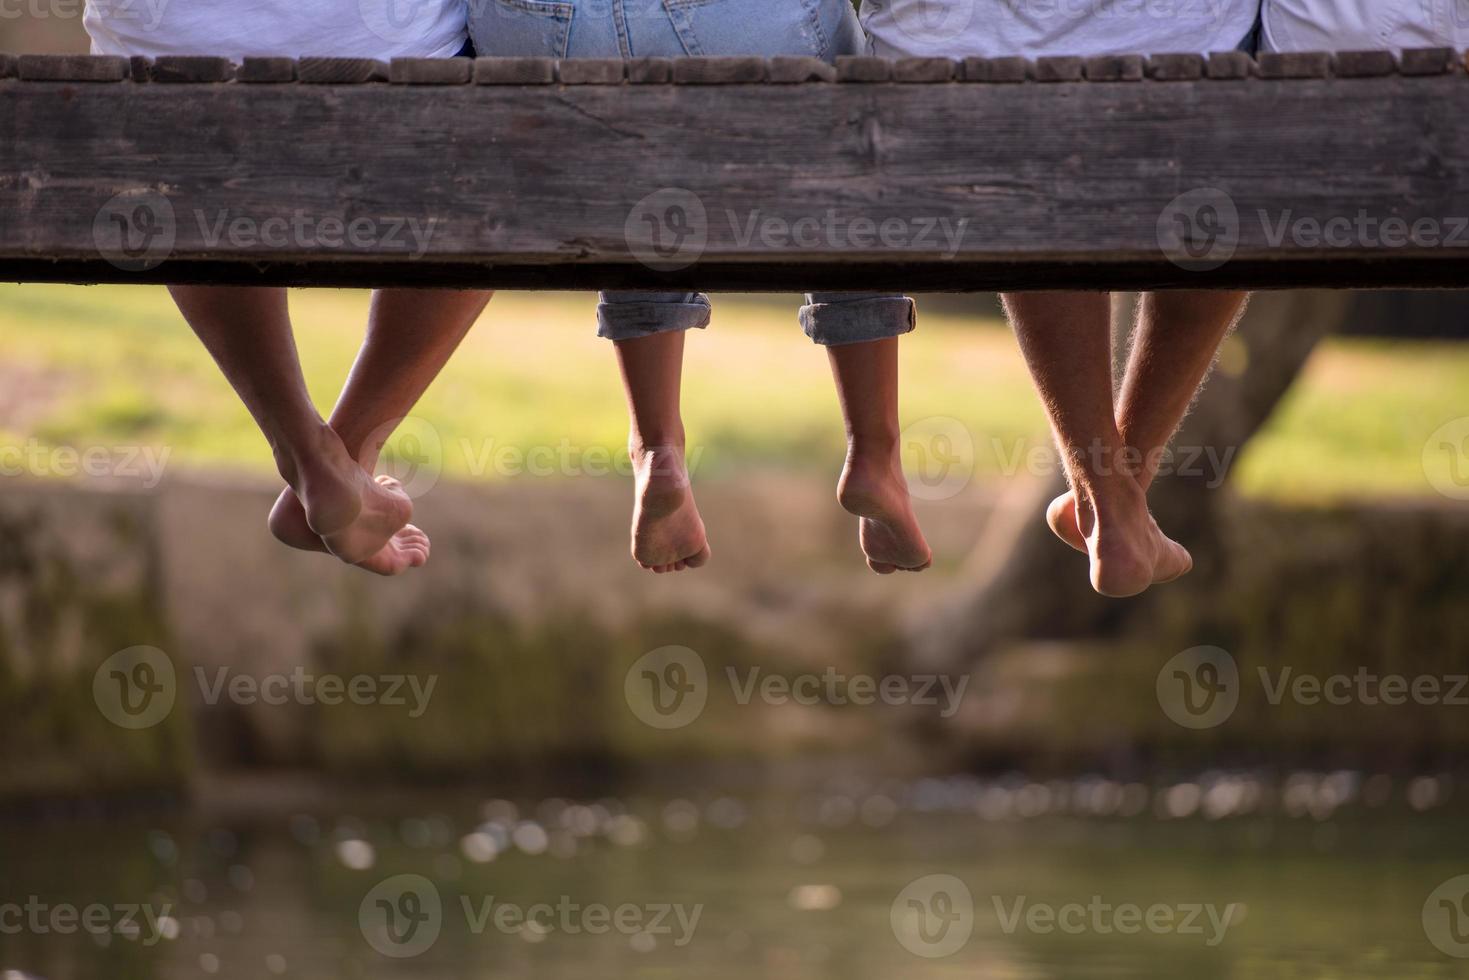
(235, 29)
(1364, 25)
(1035, 28)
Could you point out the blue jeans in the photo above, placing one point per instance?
(673, 29)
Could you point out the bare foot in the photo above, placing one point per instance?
(408, 548)
(353, 514)
(1061, 516)
(1128, 551)
(873, 488)
(667, 532)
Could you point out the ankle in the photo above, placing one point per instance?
(643, 444)
(308, 452)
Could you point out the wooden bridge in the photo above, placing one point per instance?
(1345, 170)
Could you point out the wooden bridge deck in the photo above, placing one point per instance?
(1346, 170)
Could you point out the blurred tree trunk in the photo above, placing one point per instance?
(1023, 584)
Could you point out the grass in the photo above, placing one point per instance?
(116, 367)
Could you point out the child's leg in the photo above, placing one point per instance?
(872, 484)
(248, 332)
(667, 532)
(1177, 337)
(411, 333)
(860, 332)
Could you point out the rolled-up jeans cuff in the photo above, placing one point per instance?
(625, 317)
(833, 319)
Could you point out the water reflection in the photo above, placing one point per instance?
(1317, 874)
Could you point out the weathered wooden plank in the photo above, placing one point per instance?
(1009, 70)
(591, 71)
(7, 66)
(1060, 68)
(650, 71)
(340, 71)
(266, 71)
(1428, 61)
(719, 71)
(1295, 64)
(860, 68)
(430, 71)
(1364, 64)
(72, 68)
(1231, 66)
(944, 186)
(914, 71)
(190, 69)
(793, 70)
(1176, 67)
(1115, 68)
(514, 71)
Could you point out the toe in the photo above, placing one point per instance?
(881, 567)
(699, 559)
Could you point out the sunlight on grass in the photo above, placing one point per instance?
(117, 366)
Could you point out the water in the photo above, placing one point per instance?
(930, 880)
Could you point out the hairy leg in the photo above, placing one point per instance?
(667, 532)
(1065, 339)
(1177, 337)
(872, 484)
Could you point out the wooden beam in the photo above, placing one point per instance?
(1177, 172)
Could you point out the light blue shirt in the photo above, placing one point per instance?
(1035, 28)
(1361, 25)
(290, 28)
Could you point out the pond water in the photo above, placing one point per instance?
(1220, 877)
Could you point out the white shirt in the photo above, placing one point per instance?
(382, 29)
(1034, 28)
(1361, 25)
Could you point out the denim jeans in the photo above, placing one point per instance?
(672, 29)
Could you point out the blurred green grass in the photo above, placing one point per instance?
(115, 366)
